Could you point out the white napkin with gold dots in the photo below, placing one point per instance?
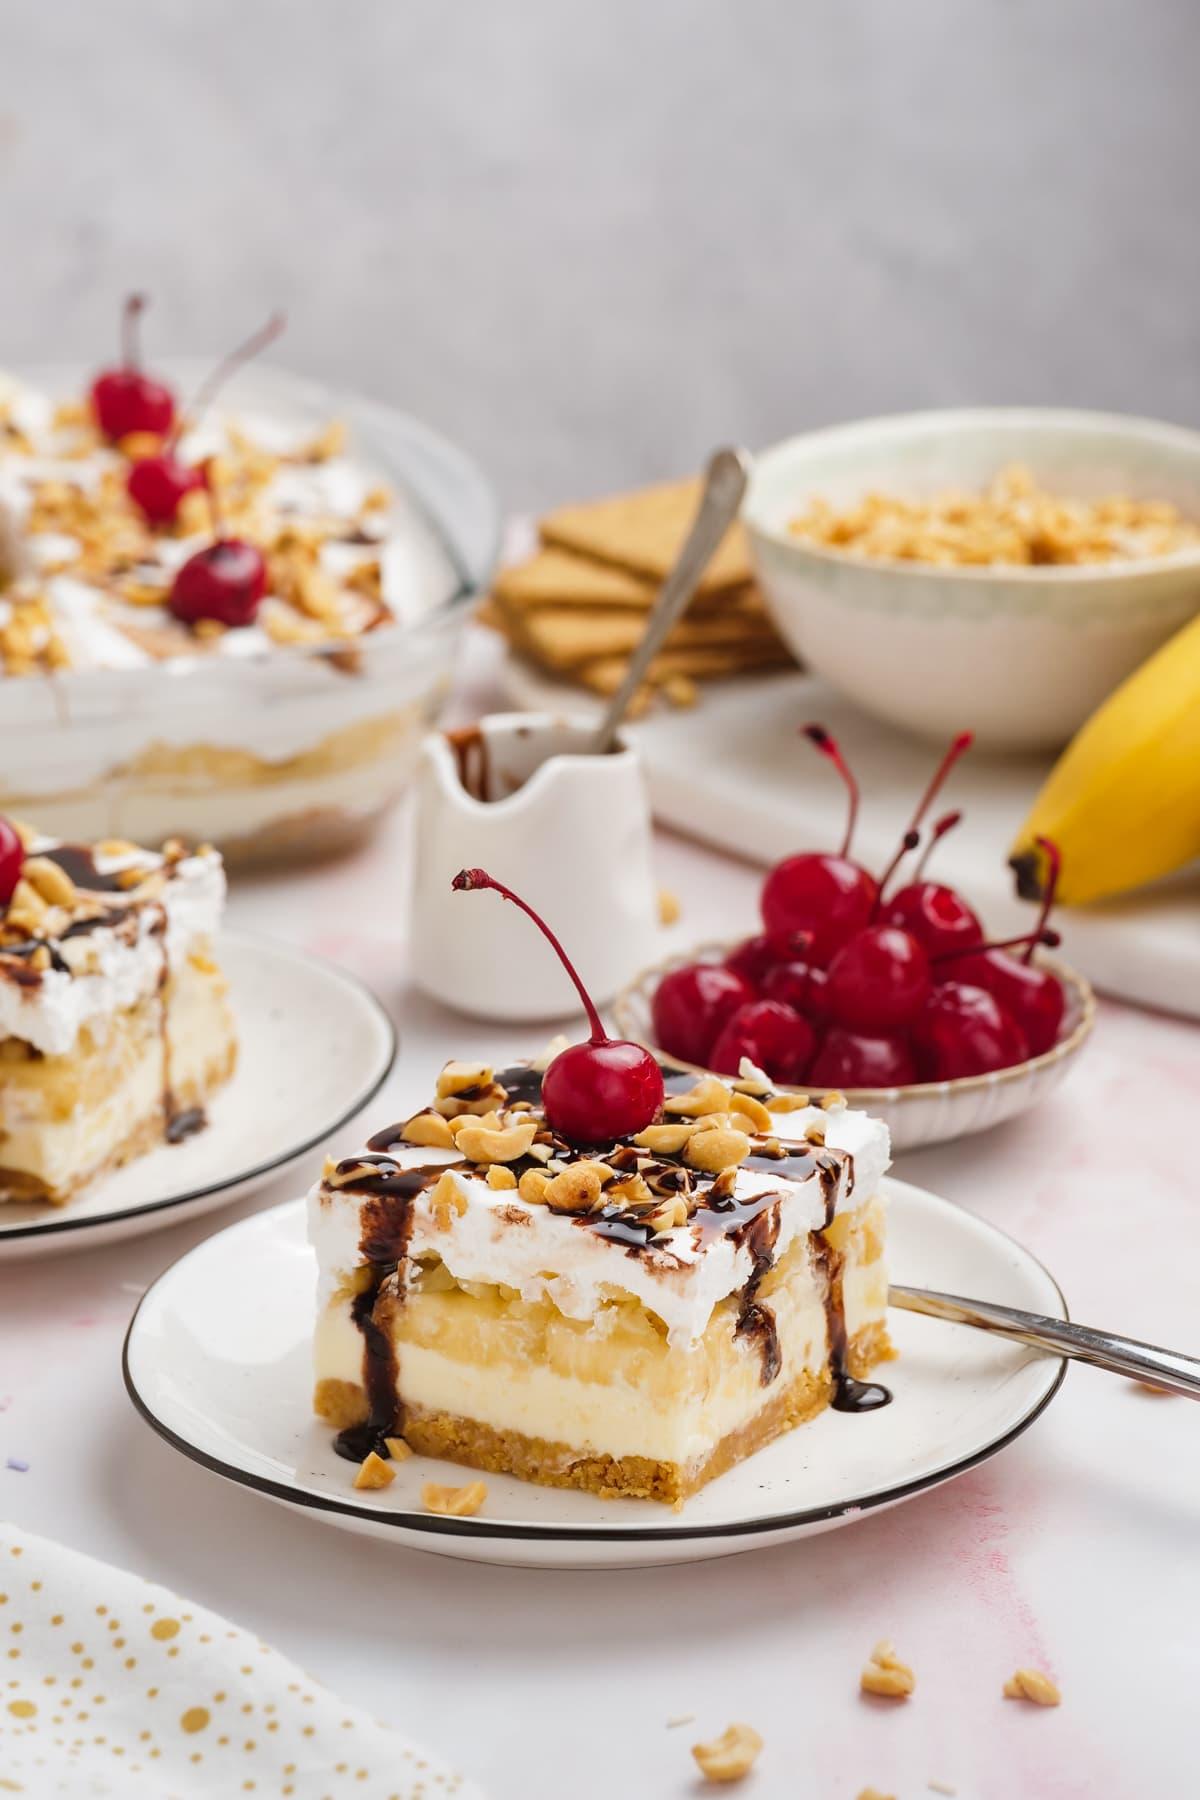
(112, 1686)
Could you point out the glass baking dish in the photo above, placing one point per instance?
(291, 753)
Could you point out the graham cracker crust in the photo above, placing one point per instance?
(343, 1403)
(146, 1135)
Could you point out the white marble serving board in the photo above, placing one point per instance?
(733, 772)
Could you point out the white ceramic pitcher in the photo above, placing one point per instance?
(570, 832)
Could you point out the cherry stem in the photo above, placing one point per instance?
(941, 826)
(1051, 940)
(253, 346)
(908, 842)
(959, 747)
(1050, 886)
(214, 503)
(135, 306)
(469, 881)
(828, 746)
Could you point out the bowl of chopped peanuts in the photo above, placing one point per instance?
(1007, 567)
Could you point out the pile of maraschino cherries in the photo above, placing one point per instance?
(225, 581)
(855, 982)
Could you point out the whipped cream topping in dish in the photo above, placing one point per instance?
(678, 1238)
(89, 578)
(83, 944)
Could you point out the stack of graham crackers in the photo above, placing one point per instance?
(578, 608)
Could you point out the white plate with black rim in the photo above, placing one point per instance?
(314, 1046)
(218, 1361)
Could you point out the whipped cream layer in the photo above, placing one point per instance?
(131, 937)
(680, 1276)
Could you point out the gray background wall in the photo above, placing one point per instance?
(589, 240)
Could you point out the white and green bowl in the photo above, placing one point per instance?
(1020, 655)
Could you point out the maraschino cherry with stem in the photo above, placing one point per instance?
(125, 399)
(1032, 996)
(692, 1004)
(854, 1059)
(157, 484)
(828, 895)
(964, 1030)
(878, 981)
(224, 582)
(929, 911)
(596, 1092)
(12, 860)
(755, 957)
(773, 1036)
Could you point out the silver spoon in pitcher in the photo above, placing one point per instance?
(724, 484)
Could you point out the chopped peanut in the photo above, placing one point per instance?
(479, 1144)
(731, 1756)
(708, 1096)
(430, 1130)
(373, 1472)
(457, 1502)
(1032, 1684)
(886, 1675)
(714, 1151)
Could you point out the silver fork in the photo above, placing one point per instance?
(1104, 1349)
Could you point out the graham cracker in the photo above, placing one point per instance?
(562, 637)
(558, 578)
(605, 674)
(642, 532)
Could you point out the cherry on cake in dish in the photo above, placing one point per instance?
(206, 608)
(114, 1023)
(620, 1301)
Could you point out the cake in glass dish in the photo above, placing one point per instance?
(115, 1028)
(230, 621)
(593, 1273)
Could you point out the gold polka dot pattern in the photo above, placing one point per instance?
(110, 1685)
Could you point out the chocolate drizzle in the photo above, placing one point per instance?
(473, 761)
(78, 861)
(385, 1230)
(756, 1321)
(31, 978)
(849, 1394)
(185, 1124)
(521, 1083)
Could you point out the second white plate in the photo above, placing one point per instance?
(314, 1046)
(218, 1361)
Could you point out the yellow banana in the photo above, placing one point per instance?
(1123, 801)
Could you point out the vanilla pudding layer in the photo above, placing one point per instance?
(490, 1379)
(131, 1079)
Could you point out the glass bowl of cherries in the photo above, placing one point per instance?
(883, 986)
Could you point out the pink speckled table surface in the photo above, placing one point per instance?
(1076, 1550)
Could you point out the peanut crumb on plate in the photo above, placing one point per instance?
(1032, 1684)
(456, 1502)
(669, 908)
(373, 1472)
(730, 1756)
(885, 1675)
